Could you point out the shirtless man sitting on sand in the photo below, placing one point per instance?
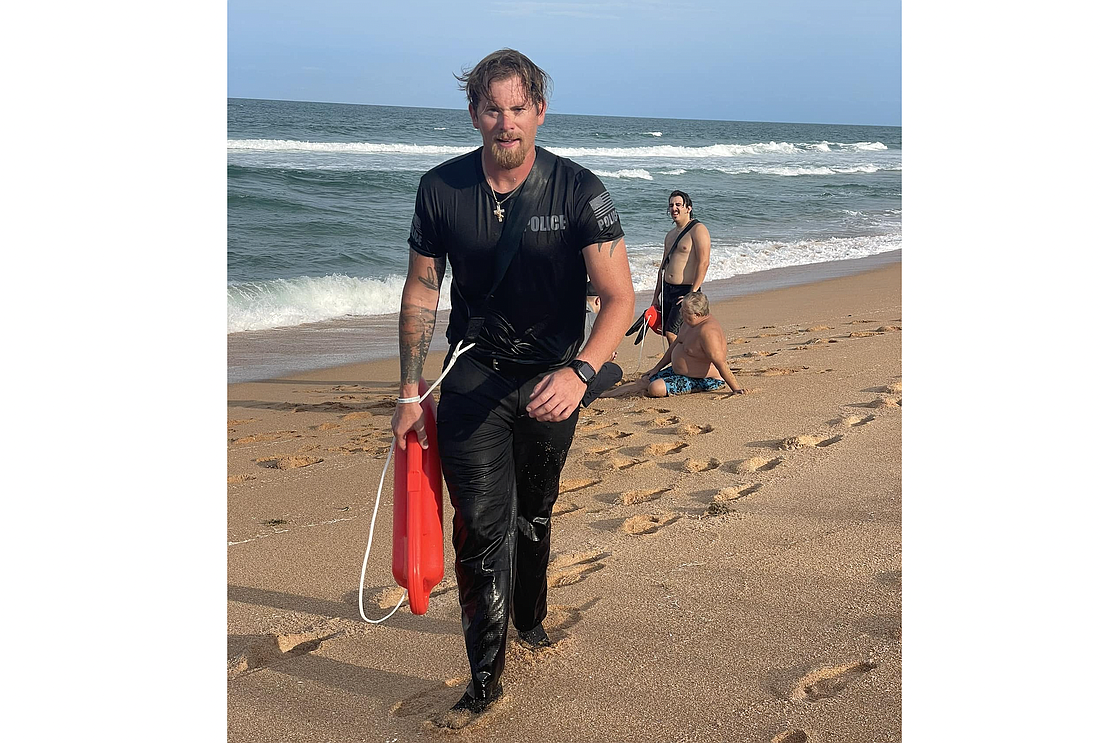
(698, 357)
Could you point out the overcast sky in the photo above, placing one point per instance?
(820, 61)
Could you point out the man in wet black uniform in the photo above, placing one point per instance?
(508, 408)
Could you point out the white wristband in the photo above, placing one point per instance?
(407, 399)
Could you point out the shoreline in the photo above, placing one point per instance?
(259, 355)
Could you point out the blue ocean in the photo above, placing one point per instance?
(320, 197)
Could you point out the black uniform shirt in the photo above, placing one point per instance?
(536, 315)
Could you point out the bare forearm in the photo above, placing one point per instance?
(666, 359)
(416, 322)
(416, 326)
(727, 376)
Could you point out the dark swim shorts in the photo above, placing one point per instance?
(670, 310)
(678, 384)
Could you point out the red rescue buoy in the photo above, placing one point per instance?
(652, 317)
(418, 512)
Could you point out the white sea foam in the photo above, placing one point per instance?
(654, 134)
(365, 148)
(257, 305)
(728, 260)
(628, 173)
(677, 171)
(678, 151)
(796, 170)
(655, 151)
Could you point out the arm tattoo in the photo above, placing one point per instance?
(434, 276)
(611, 249)
(416, 323)
(415, 327)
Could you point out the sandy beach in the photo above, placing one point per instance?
(723, 568)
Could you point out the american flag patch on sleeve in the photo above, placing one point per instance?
(604, 209)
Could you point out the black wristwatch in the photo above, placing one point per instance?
(583, 369)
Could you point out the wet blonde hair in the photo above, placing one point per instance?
(696, 303)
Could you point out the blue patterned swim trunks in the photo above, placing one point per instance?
(678, 384)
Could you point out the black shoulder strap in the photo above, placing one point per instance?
(510, 237)
(683, 232)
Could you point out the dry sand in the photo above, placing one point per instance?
(723, 568)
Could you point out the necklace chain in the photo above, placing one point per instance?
(499, 211)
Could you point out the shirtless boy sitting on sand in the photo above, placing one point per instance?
(698, 357)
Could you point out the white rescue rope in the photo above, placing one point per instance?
(459, 350)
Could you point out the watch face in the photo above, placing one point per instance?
(584, 370)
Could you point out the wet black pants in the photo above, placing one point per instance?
(502, 469)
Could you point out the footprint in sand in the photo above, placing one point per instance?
(725, 495)
(287, 463)
(756, 464)
(660, 450)
(594, 425)
(735, 341)
(626, 463)
(816, 329)
(235, 479)
(884, 402)
(612, 435)
(690, 429)
(647, 523)
(565, 570)
(829, 441)
(798, 442)
(888, 328)
(700, 465)
(600, 451)
(827, 682)
(643, 411)
(794, 735)
(328, 426)
(263, 437)
(562, 507)
(862, 334)
(720, 506)
(273, 649)
(435, 698)
(571, 486)
(894, 388)
(665, 420)
(852, 421)
(630, 497)
(239, 421)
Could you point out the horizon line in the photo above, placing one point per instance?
(566, 113)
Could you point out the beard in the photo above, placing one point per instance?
(509, 158)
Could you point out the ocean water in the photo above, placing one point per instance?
(320, 197)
